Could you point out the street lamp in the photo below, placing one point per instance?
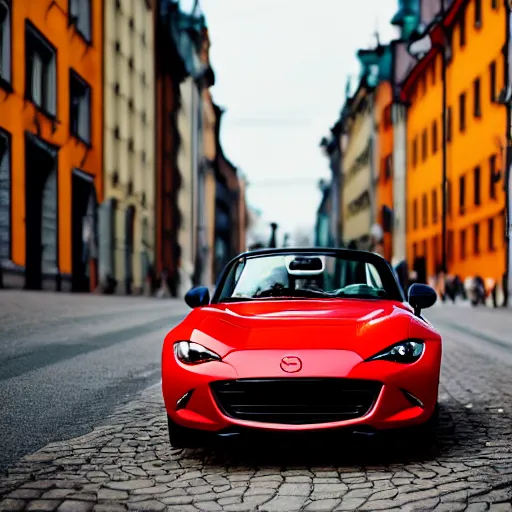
(420, 44)
(273, 240)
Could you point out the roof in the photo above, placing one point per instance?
(358, 254)
(436, 30)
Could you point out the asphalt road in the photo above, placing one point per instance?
(67, 360)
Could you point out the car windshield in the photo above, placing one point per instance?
(300, 275)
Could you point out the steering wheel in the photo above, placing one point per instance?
(275, 291)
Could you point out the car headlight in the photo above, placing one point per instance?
(406, 352)
(189, 352)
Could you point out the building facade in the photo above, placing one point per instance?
(475, 73)
(230, 215)
(207, 182)
(127, 216)
(399, 172)
(332, 150)
(323, 234)
(51, 143)
(190, 155)
(169, 72)
(357, 179)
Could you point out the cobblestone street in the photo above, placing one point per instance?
(126, 462)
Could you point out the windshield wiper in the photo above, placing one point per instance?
(378, 294)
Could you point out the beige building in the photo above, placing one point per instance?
(357, 170)
(127, 218)
(189, 158)
(207, 195)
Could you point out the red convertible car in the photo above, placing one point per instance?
(303, 340)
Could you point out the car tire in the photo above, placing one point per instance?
(181, 437)
(428, 430)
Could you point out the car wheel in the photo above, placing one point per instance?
(181, 437)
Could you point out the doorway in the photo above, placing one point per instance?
(128, 248)
(83, 230)
(420, 267)
(41, 215)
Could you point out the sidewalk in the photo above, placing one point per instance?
(494, 324)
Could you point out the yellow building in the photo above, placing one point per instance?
(476, 128)
(357, 169)
(127, 219)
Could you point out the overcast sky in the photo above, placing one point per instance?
(281, 68)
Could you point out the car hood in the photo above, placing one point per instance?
(363, 326)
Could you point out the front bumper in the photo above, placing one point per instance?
(403, 395)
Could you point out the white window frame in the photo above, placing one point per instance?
(5, 41)
(42, 89)
(80, 15)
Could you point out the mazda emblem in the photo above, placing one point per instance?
(291, 364)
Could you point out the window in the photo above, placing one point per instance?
(434, 206)
(462, 112)
(477, 107)
(490, 234)
(492, 81)
(449, 124)
(476, 186)
(462, 28)
(80, 108)
(463, 244)
(476, 238)
(434, 137)
(425, 210)
(462, 193)
(415, 214)
(435, 250)
(415, 152)
(387, 117)
(448, 197)
(41, 73)
(492, 177)
(424, 145)
(5, 195)
(388, 161)
(449, 246)
(80, 17)
(478, 13)
(5, 41)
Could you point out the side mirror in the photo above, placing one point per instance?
(421, 296)
(197, 297)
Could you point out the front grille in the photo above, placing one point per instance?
(296, 401)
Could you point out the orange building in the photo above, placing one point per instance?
(51, 132)
(476, 128)
(384, 190)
